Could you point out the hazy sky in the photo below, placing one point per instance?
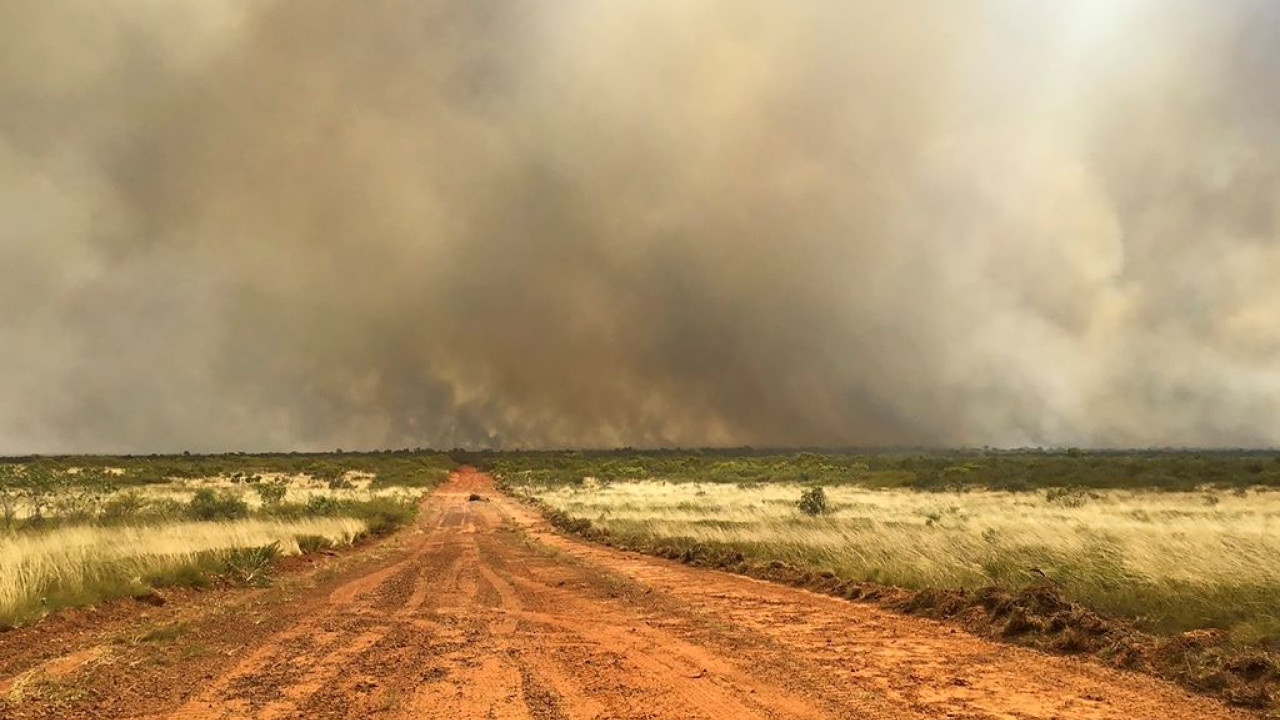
(309, 224)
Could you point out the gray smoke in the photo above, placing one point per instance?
(314, 223)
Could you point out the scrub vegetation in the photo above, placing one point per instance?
(927, 471)
(79, 530)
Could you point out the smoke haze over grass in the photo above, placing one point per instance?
(310, 224)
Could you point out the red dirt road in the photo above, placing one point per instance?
(482, 612)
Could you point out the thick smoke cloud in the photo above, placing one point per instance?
(320, 223)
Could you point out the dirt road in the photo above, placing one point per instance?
(482, 612)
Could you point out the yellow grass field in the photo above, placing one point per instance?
(74, 560)
(1174, 561)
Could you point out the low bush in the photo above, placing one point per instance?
(210, 505)
(381, 514)
(340, 483)
(323, 505)
(122, 508)
(252, 565)
(313, 543)
(272, 493)
(813, 501)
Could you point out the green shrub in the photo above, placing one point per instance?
(409, 477)
(271, 493)
(340, 483)
(382, 515)
(252, 565)
(313, 543)
(813, 501)
(122, 508)
(207, 504)
(323, 505)
(1071, 497)
(194, 574)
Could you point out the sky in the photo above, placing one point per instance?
(313, 224)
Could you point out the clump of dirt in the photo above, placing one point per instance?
(1039, 616)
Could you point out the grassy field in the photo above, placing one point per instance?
(1173, 541)
(76, 531)
(1172, 561)
(81, 565)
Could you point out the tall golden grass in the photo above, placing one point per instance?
(1173, 561)
(80, 564)
(299, 490)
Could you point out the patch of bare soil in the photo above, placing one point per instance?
(483, 611)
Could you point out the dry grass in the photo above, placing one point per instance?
(76, 531)
(300, 489)
(77, 565)
(1174, 561)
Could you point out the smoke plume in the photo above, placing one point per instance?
(320, 223)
